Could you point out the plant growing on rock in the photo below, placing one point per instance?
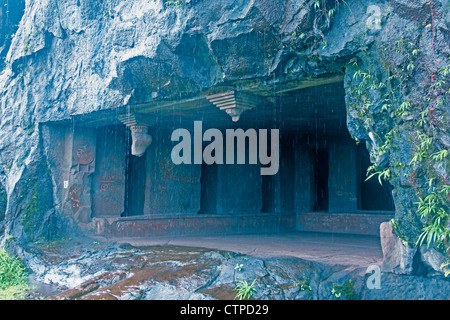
(13, 278)
(385, 93)
(174, 3)
(304, 286)
(434, 210)
(322, 12)
(346, 290)
(238, 266)
(244, 291)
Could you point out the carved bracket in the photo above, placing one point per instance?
(140, 139)
(233, 102)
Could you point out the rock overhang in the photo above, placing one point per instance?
(302, 100)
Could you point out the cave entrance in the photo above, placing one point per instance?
(320, 185)
(322, 172)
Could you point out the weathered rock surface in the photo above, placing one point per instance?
(398, 256)
(104, 271)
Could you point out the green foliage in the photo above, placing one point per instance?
(428, 155)
(323, 12)
(434, 210)
(346, 290)
(383, 174)
(174, 3)
(26, 47)
(3, 66)
(244, 291)
(34, 201)
(32, 213)
(444, 265)
(366, 90)
(423, 147)
(304, 286)
(13, 278)
(432, 204)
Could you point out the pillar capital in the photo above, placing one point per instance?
(140, 139)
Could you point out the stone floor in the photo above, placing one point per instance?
(326, 248)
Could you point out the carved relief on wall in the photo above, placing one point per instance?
(105, 181)
(84, 154)
(81, 170)
(74, 197)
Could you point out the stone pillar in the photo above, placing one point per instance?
(271, 196)
(342, 179)
(138, 125)
(303, 191)
(279, 189)
(287, 178)
(78, 201)
(109, 177)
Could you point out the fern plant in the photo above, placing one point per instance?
(434, 210)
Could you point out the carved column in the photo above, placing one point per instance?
(78, 200)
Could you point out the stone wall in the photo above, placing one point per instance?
(108, 181)
(57, 141)
(169, 188)
(70, 154)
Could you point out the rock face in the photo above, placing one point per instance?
(124, 272)
(398, 256)
(10, 15)
(73, 57)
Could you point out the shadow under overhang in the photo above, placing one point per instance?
(300, 106)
